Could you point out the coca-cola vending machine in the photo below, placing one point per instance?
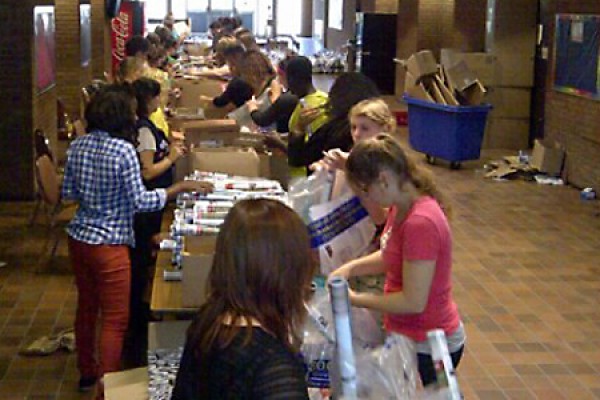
(127, 22)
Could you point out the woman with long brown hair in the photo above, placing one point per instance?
(416, 249)
(243, 342)
(256, 69)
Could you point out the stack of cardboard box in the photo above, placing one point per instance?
(511, 41)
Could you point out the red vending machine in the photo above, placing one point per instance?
(127, 20)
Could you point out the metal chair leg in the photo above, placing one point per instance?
(36, 210)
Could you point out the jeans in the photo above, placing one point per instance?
(102, 276)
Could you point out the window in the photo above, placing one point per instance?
(156, 9)
(285, 24)
(255, 13)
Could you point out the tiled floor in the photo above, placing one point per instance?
(527, 281)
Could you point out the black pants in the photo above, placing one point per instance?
(427, 370)
(145, 226)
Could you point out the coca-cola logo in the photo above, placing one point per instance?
(120, 30)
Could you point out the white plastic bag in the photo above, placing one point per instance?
(242, 115)
(340, 229)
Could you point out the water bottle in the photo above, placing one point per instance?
(305, 105)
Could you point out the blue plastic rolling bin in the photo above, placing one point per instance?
(451, 133)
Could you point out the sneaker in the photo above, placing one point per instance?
(42, 347)
(67, 341)
(87, 384)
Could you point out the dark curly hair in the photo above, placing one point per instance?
(145, 90)
(112, 110)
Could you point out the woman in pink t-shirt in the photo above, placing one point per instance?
(416, 249)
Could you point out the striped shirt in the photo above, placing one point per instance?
(103, 175)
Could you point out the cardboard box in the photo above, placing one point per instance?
(197, 132)
(228, 160)
(460, 76)
(220, 131)
(195, 265)
(279, 169)
(254, 140)
(265, 165)
(514, 70)
(192, 89)
(422, 64)
(547, 157)
(510, 102)
(213, 112)
(506, 133)
(483, 65)
(131, 384)
(473, 95)
(416, 89)
(448, 95)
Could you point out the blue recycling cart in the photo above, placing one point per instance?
(451, 133)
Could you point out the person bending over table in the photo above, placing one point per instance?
(283, 102)
(416, 250)
(103, 175)
(237, 91)
(243, 343)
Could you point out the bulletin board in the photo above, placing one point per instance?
(577, 55)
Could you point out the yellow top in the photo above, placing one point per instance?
(160, 120)
(312, 100)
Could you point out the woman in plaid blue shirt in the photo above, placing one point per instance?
(103, 175)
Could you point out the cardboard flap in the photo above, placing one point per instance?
(416, 89)
(547, 157)
(446, 93)
(422, 64)
(434, 90)
(460, 76)
(474, 94)
(192, 89)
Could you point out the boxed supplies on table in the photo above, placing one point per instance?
(227, 160)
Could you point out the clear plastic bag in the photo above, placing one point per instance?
(387, 372)
(307, 192)
(318, 348)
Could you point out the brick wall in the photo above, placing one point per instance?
(23, 109)
(100, 40)
(71, 75)
(573, 121)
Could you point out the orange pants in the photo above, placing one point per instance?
(102, 276)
